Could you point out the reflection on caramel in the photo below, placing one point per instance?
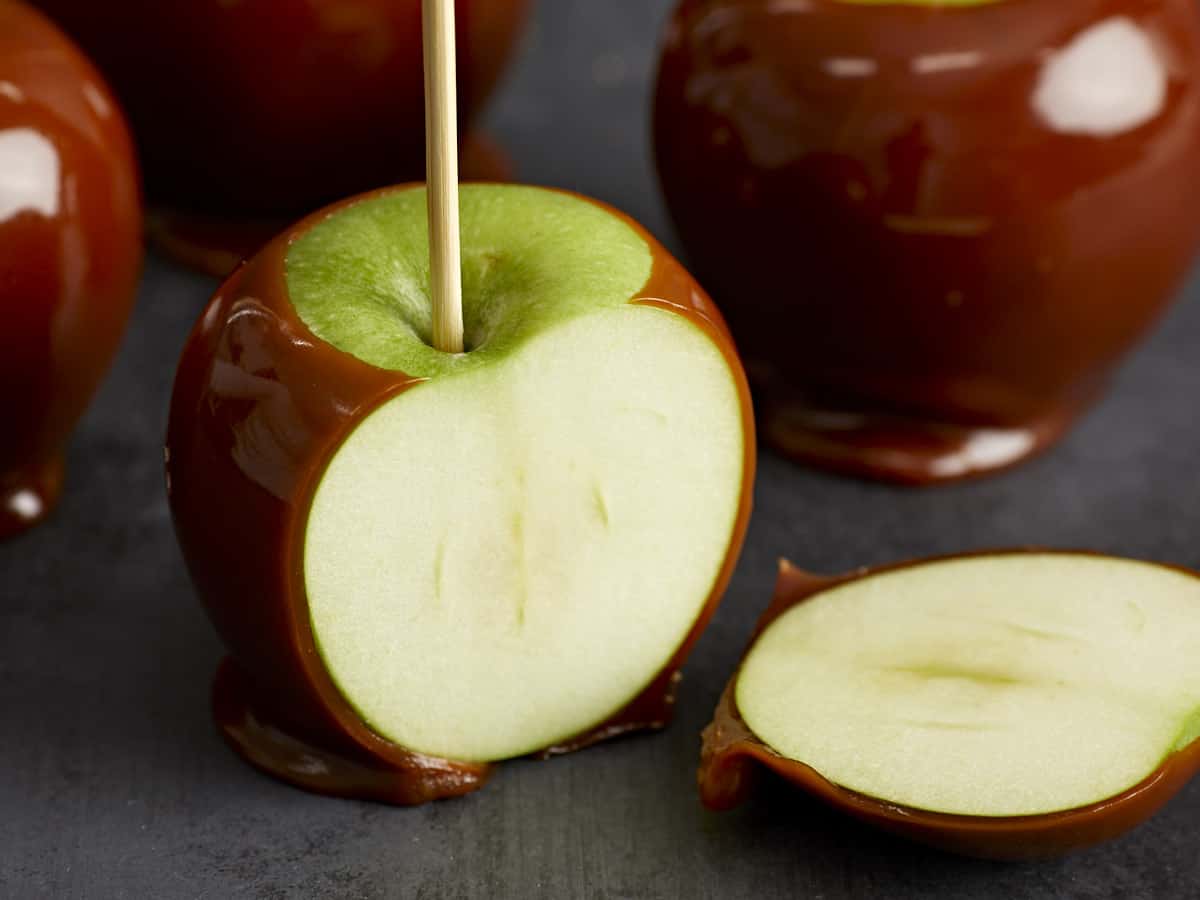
(260, 405)
(70, 252)
(733, 759)
(932, 226)
(263, 111)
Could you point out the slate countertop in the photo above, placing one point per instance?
(113, 782)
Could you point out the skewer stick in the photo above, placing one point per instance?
(441, 173)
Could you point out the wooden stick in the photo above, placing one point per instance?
(441, 173)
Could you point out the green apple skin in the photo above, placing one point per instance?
(261, 406)
(734, 757)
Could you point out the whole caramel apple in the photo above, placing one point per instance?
(70, 252)
(255, 111)
(934, 228)
(423, 563)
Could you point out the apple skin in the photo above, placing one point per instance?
(70, 252)
(896, 233)
(733, 758)
(260, 405)
(268, 110)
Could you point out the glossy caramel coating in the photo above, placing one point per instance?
(269, 109)
(733, 758)
(70, 252)
(934, 230)
(260, 406)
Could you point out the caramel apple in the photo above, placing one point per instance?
(934, 227)
(248, 115)
(1007, 705)
(424, 562)
(70, 252)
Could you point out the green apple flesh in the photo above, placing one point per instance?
(1003, 685)
(505, 555)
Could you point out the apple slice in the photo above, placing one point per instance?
(463, 557)
(1035, 688)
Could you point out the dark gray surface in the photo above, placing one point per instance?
(114, 784)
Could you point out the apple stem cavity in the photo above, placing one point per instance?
(441, 174)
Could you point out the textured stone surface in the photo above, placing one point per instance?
(114, 784)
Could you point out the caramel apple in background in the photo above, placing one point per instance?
(934, 229)
(70, 252)
(249, 115)
(424, 562)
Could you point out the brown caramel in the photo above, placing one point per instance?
(733, 759)
(260, 406)
(934, 229)
(262, 112)
(70, 252)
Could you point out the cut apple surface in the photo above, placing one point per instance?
(998, 685)
(506, 554)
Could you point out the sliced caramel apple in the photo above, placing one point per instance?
(1007, 704)
(426, 562)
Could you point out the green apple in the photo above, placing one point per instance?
(505, 554)
(997, 685)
